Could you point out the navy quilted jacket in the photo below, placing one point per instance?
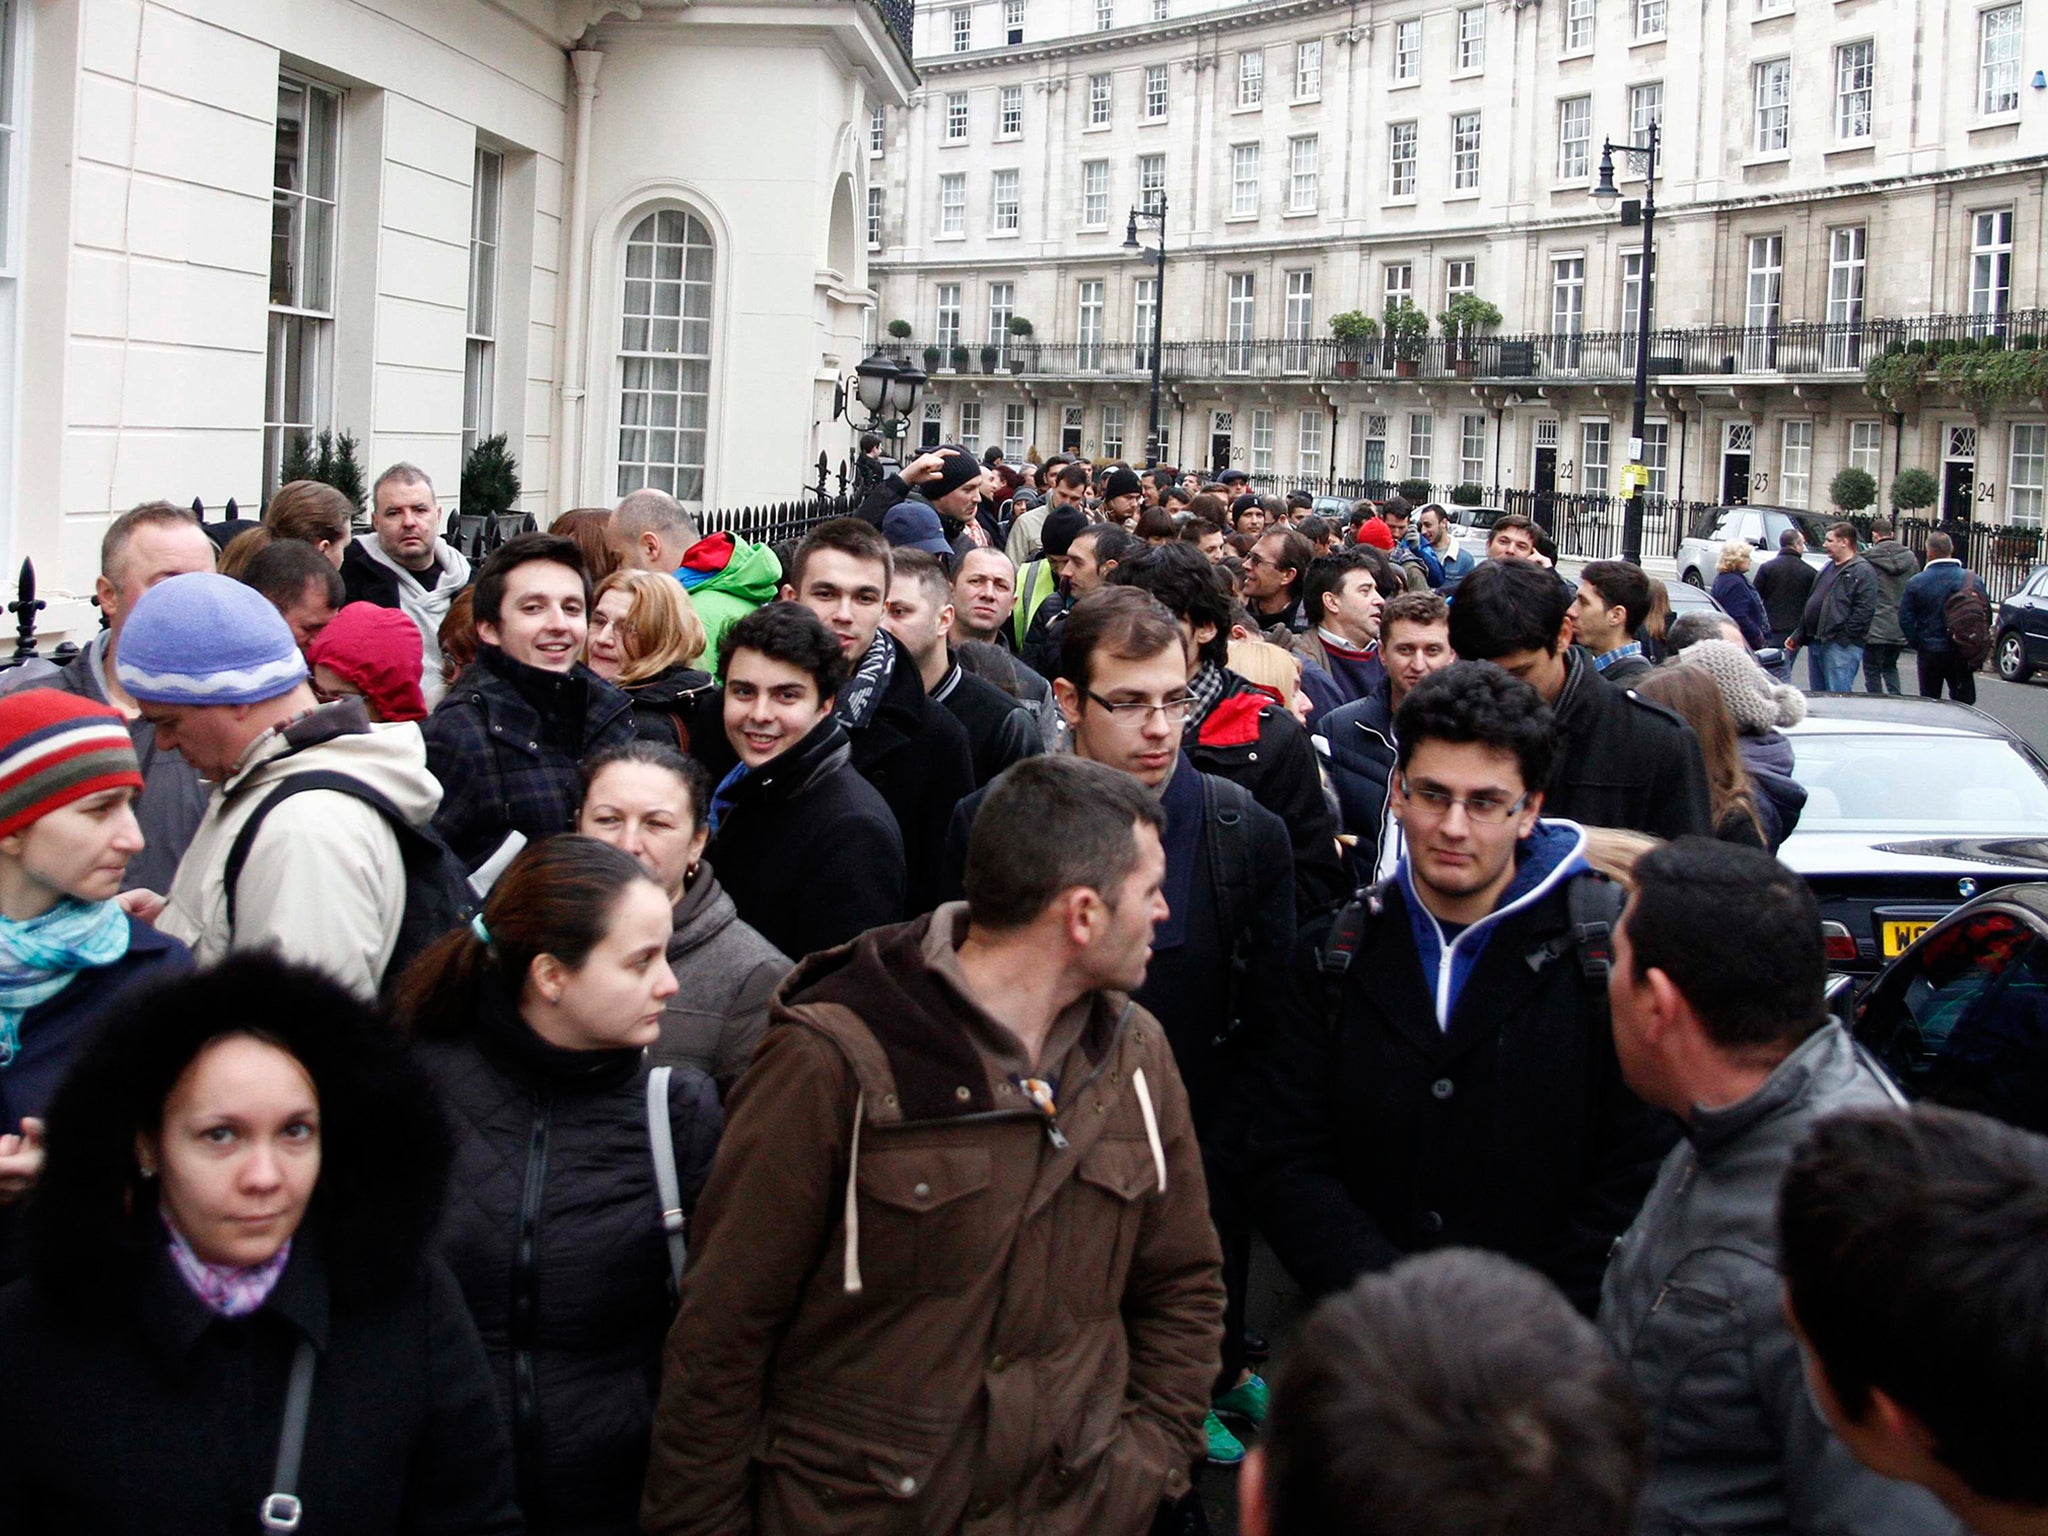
(505, 743)
(553, 1229)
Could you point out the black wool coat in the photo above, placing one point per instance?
(159, 1416)
(1511, 1130)
(807, 849)
(916, 756)
(1623, 761)
(552, 1226)
(505, 743)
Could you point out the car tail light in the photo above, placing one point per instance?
(1840, 943)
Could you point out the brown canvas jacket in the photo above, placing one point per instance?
(907, 1309)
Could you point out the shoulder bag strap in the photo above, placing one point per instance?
(661, 1139)
(281, 1508)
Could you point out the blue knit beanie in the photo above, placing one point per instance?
(203, 638)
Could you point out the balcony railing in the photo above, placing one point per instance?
(1795, 348)
(896, 16)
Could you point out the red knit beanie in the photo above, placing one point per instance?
(378, 651)
(56, 747)
(1375, 532)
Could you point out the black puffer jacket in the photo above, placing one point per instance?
(553, 1228)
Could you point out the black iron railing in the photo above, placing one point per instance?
(897, 17)
(1802, 348)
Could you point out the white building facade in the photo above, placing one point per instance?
(1835, 178)
(622, 233)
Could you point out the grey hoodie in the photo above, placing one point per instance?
(725, 972)
(1691, 1304)
(1895, 566)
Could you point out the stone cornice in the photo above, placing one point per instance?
(1206, 24)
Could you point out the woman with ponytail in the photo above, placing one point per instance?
(534, 1022)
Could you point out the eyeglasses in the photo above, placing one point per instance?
(1254, 560)
(1139, 711)
(599, 623)
(1486, 810)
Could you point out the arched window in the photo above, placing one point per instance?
(665, 355)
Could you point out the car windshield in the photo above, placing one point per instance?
(1477, 517)
(1899, 783)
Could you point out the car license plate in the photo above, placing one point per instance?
(1897, 936)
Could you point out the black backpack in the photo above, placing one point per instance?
(438, 898)
(1967, 618)
(1226, 812)
(1593, 905)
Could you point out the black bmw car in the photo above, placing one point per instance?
(1913, 807)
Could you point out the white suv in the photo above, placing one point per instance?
(1761, 527)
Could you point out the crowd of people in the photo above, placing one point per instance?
(658, 1032)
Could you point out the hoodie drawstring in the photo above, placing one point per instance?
(852, 1281)
(1151, 1125)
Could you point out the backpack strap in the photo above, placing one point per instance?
(299, 784)
(280, 1510)
(1592, 905)
(1226, 814)
(1343, 940)
(662, 1140)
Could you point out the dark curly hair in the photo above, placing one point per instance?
(1505, 606)
(384, 1145)
(789, 633)
(1478, 702)
(1182, 578)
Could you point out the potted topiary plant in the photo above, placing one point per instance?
(1406, 327)
(490, 478)
(1461, 320)
(1852, 489)
(1355, 332)
(1913, 490)
(328, 458)
(931, 359)
(1021, 329)
(958, 359)
(900, 329)
(990, 356)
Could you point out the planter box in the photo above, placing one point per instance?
(1407, 367)
(1347, 368)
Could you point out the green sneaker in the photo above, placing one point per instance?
(1225, 1449)
(1247, 1400)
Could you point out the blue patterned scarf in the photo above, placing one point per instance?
(38, 958)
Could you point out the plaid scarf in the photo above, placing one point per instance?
(1207, 688)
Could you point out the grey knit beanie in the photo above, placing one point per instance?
(1758, 703)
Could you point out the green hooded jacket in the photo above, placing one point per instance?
(750, 578)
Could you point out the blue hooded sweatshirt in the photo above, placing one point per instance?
(1552, 853)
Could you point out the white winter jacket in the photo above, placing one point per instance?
(324, 882)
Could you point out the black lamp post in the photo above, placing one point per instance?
(1644, 157)
(886, 388)
(1153, 213)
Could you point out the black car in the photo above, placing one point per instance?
(1961, 1018)
(2020, 630)
(1913, 807)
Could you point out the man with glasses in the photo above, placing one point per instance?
(1446, 1075)
(1123, 687)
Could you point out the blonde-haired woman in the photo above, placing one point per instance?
(1736, 596)
(644, 637)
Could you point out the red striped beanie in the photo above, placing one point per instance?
(56, 747)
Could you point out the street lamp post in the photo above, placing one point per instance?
(1644, 157)
(1154, 213)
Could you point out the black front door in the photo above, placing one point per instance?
(1958, 488)
(1735, 479)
